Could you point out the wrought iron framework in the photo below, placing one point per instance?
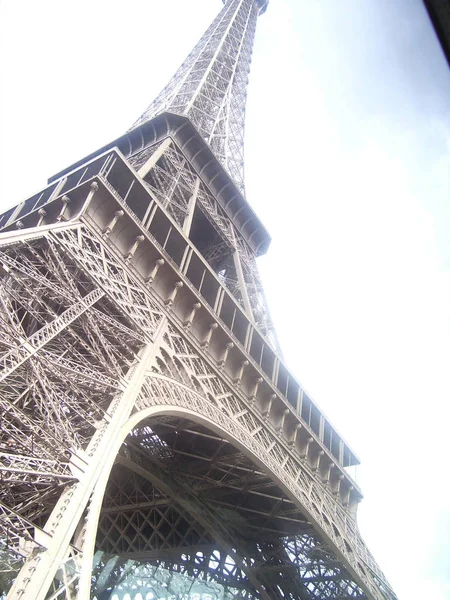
(152, 440)
(210, 87)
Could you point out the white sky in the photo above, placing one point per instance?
(348, 147)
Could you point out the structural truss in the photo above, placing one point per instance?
(153, 444)
(210, 87)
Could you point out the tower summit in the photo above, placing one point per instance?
(153, 442)
(210, 87)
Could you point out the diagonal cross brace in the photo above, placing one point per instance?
(29, 347)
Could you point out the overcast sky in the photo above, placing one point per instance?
(347, 163)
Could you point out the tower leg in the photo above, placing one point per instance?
(41, 567)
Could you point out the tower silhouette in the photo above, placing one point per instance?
(153, 443)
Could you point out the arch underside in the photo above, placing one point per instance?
(185, 512)
(217, 512)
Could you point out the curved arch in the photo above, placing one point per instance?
(140, 416)
(161, 395)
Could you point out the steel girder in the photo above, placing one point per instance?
(278, 543)
(70, 415)
(175, 183)
(210, 87)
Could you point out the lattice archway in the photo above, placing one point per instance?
(181, 500)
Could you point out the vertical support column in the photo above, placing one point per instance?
(242, 284)
(92, 189)
(108, 229)
(191, 208)
(248, 338)
(151, 276)
(299, 401)
(186, 259)
(188, 322)
(42, 214)
(275, 370)
(151, 162)
(148, 217)
(219, 300)
(57, 189)
(240, 277)
(321, 427)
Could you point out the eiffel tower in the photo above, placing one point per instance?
(153, 443)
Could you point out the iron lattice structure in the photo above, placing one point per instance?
(210, 87)
(153, 443)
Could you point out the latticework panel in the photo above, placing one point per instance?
(210, 87)
(255, 292)
(219, 519)
(81, 319)
(201, 576)
(186, 364)
(175, 183)
(65, 350)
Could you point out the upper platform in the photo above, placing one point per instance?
(204, 161)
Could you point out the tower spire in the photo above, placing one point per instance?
(210, 87)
